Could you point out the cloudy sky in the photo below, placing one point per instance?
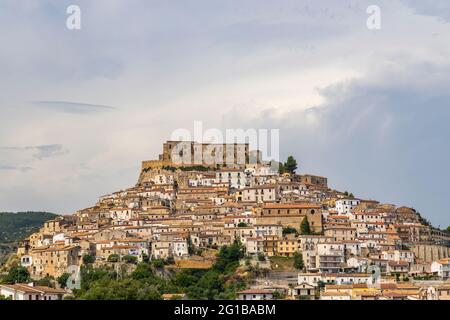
(79, 109)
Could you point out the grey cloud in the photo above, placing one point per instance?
(48, 151)
(14, 168)
(40, 152)
(73, 107)
(436, 8)
(383, 139)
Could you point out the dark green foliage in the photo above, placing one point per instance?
(158, 263)
(191, 248)
(218, 282)
(113, 258)
(304, 227)
(170, 260)
(17, 275)
(145, 258)
(129, 259)
(17, 226)
(46, 282)
(289, 230)
(290, 165)
(277, 295)
(88, 259)
(242, 225)
(348, 194)
(126, 289)
(423, 221)
(298, 261)
(143, 271)
(261, 257)
(62, 280)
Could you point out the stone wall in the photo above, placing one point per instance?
(430, 252)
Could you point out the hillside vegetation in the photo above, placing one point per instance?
(17, 226)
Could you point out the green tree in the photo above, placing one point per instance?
(88, 259)
(129, 259)
(126, 289)
(158, 263)
(191, 248)
(242, 225)
(170, 260)
(289, 230)
(62, 280)
(290, 165)
(143, 271)
(145, 258)
(113, 258)
(46, 282)
(448, 228)
(17, 275)
(277, 295)
(304, 227)
(298, 261)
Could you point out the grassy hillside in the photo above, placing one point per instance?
(17, 226)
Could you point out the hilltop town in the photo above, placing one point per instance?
(299, 238)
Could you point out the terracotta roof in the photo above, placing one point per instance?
(291, 206)
(30, 289)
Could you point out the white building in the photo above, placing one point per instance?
(30, 292)
(262, 230)
(354, 278)
(441, 268)
(398, 255)
(260, 193)
(254, 246)
(180, 248)
(233, 177)
(255, 295)
(345, 206)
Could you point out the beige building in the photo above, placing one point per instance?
(53, 260)
(290, 215)
(193, 153)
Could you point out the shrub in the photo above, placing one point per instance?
(17, 275)
(158, 263)
(289, 230)
(46, 282)
(62, 280)
(113, 258)
(170, 260)
(298, 261)
(129, 259)
(88, 259)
